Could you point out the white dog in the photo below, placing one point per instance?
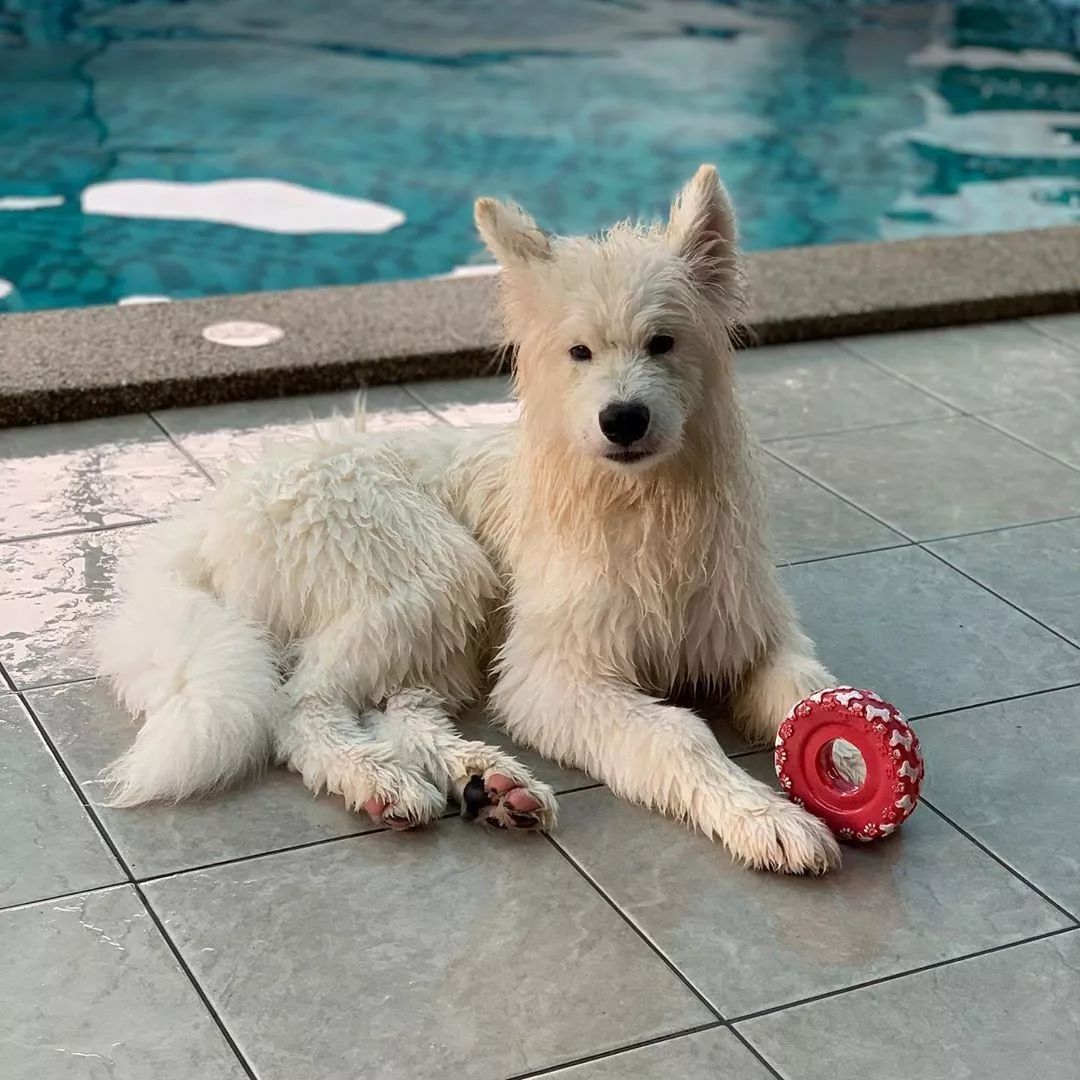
(332, 606)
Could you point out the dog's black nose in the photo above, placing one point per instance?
(624, 422)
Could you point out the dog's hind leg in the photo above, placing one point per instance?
(489, 784)
(325, 741)
(320, 735)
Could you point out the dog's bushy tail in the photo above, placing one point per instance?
(204, 677)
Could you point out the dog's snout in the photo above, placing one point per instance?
(624, 422)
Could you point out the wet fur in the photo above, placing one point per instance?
(389, 577)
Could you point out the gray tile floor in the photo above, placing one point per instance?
(926, 497)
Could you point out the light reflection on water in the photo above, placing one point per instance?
(830, 121)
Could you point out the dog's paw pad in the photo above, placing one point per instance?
(504, 803)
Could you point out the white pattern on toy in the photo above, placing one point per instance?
(912, 772)
(886, 829)
(846, 697)
(907, 804)
(874, 713)
(901, 738)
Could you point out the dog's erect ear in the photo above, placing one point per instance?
(510, 234)
(701, 227)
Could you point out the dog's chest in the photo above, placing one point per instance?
(656, 616)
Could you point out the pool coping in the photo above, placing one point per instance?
(89, 362)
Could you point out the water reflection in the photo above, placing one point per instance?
(830, 122)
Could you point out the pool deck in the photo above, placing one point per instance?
(926, 499)
(71, 365)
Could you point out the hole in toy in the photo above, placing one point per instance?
(841, 766)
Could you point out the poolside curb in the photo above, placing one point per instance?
(89, 362)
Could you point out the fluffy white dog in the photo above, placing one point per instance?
(334, 605)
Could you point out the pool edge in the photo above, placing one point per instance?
(82, 363)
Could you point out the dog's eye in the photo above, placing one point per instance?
(660, 344)
(581, 352)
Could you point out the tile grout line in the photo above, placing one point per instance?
(172, 946)
(906, 380)
(91, 812)
(986, 850)
(979, 417)
(7, 680)
(986, 419)
(78, 531)
(168, 875)
(77, 681)
(999, 528)
(762, 1059)
(731, 1023)
(937, 964)
(857, 429)
(921, 545)
(1029, 322)
(429, 409)
(882, 369)
(374, 830)
(844, 498)
(1016, 607)
(993, 701)
(602, 1055)
(843, 555)
(182, 450)
(65, 896)
(650, 944)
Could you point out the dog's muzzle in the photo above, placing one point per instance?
(624, 422)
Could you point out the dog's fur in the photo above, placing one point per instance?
(385, 577)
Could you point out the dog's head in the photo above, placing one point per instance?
(621, 338)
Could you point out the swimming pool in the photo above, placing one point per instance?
(177, 149)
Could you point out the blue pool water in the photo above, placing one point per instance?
(830, 121)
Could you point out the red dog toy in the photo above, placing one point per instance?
(808, 770)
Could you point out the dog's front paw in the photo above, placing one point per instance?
(781, 836)
(506, 802)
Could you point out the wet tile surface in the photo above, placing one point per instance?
(470, 402)
(1036, 567)
(809, 522)
(921, 634)
(1063, 328)
(742, 939)
(706, 1055)
(89, 730)
(52, 591)
(96, 994)
(804, 389)
(48, 844)
(432, 921)
(1007, 774)
(940, 478)
(99, 472)
(271, 812)
(460, 951)
(983, 368)
(1050, 429)
(225, 434)
(1015, 1013)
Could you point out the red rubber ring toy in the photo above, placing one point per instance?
(889, 748)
